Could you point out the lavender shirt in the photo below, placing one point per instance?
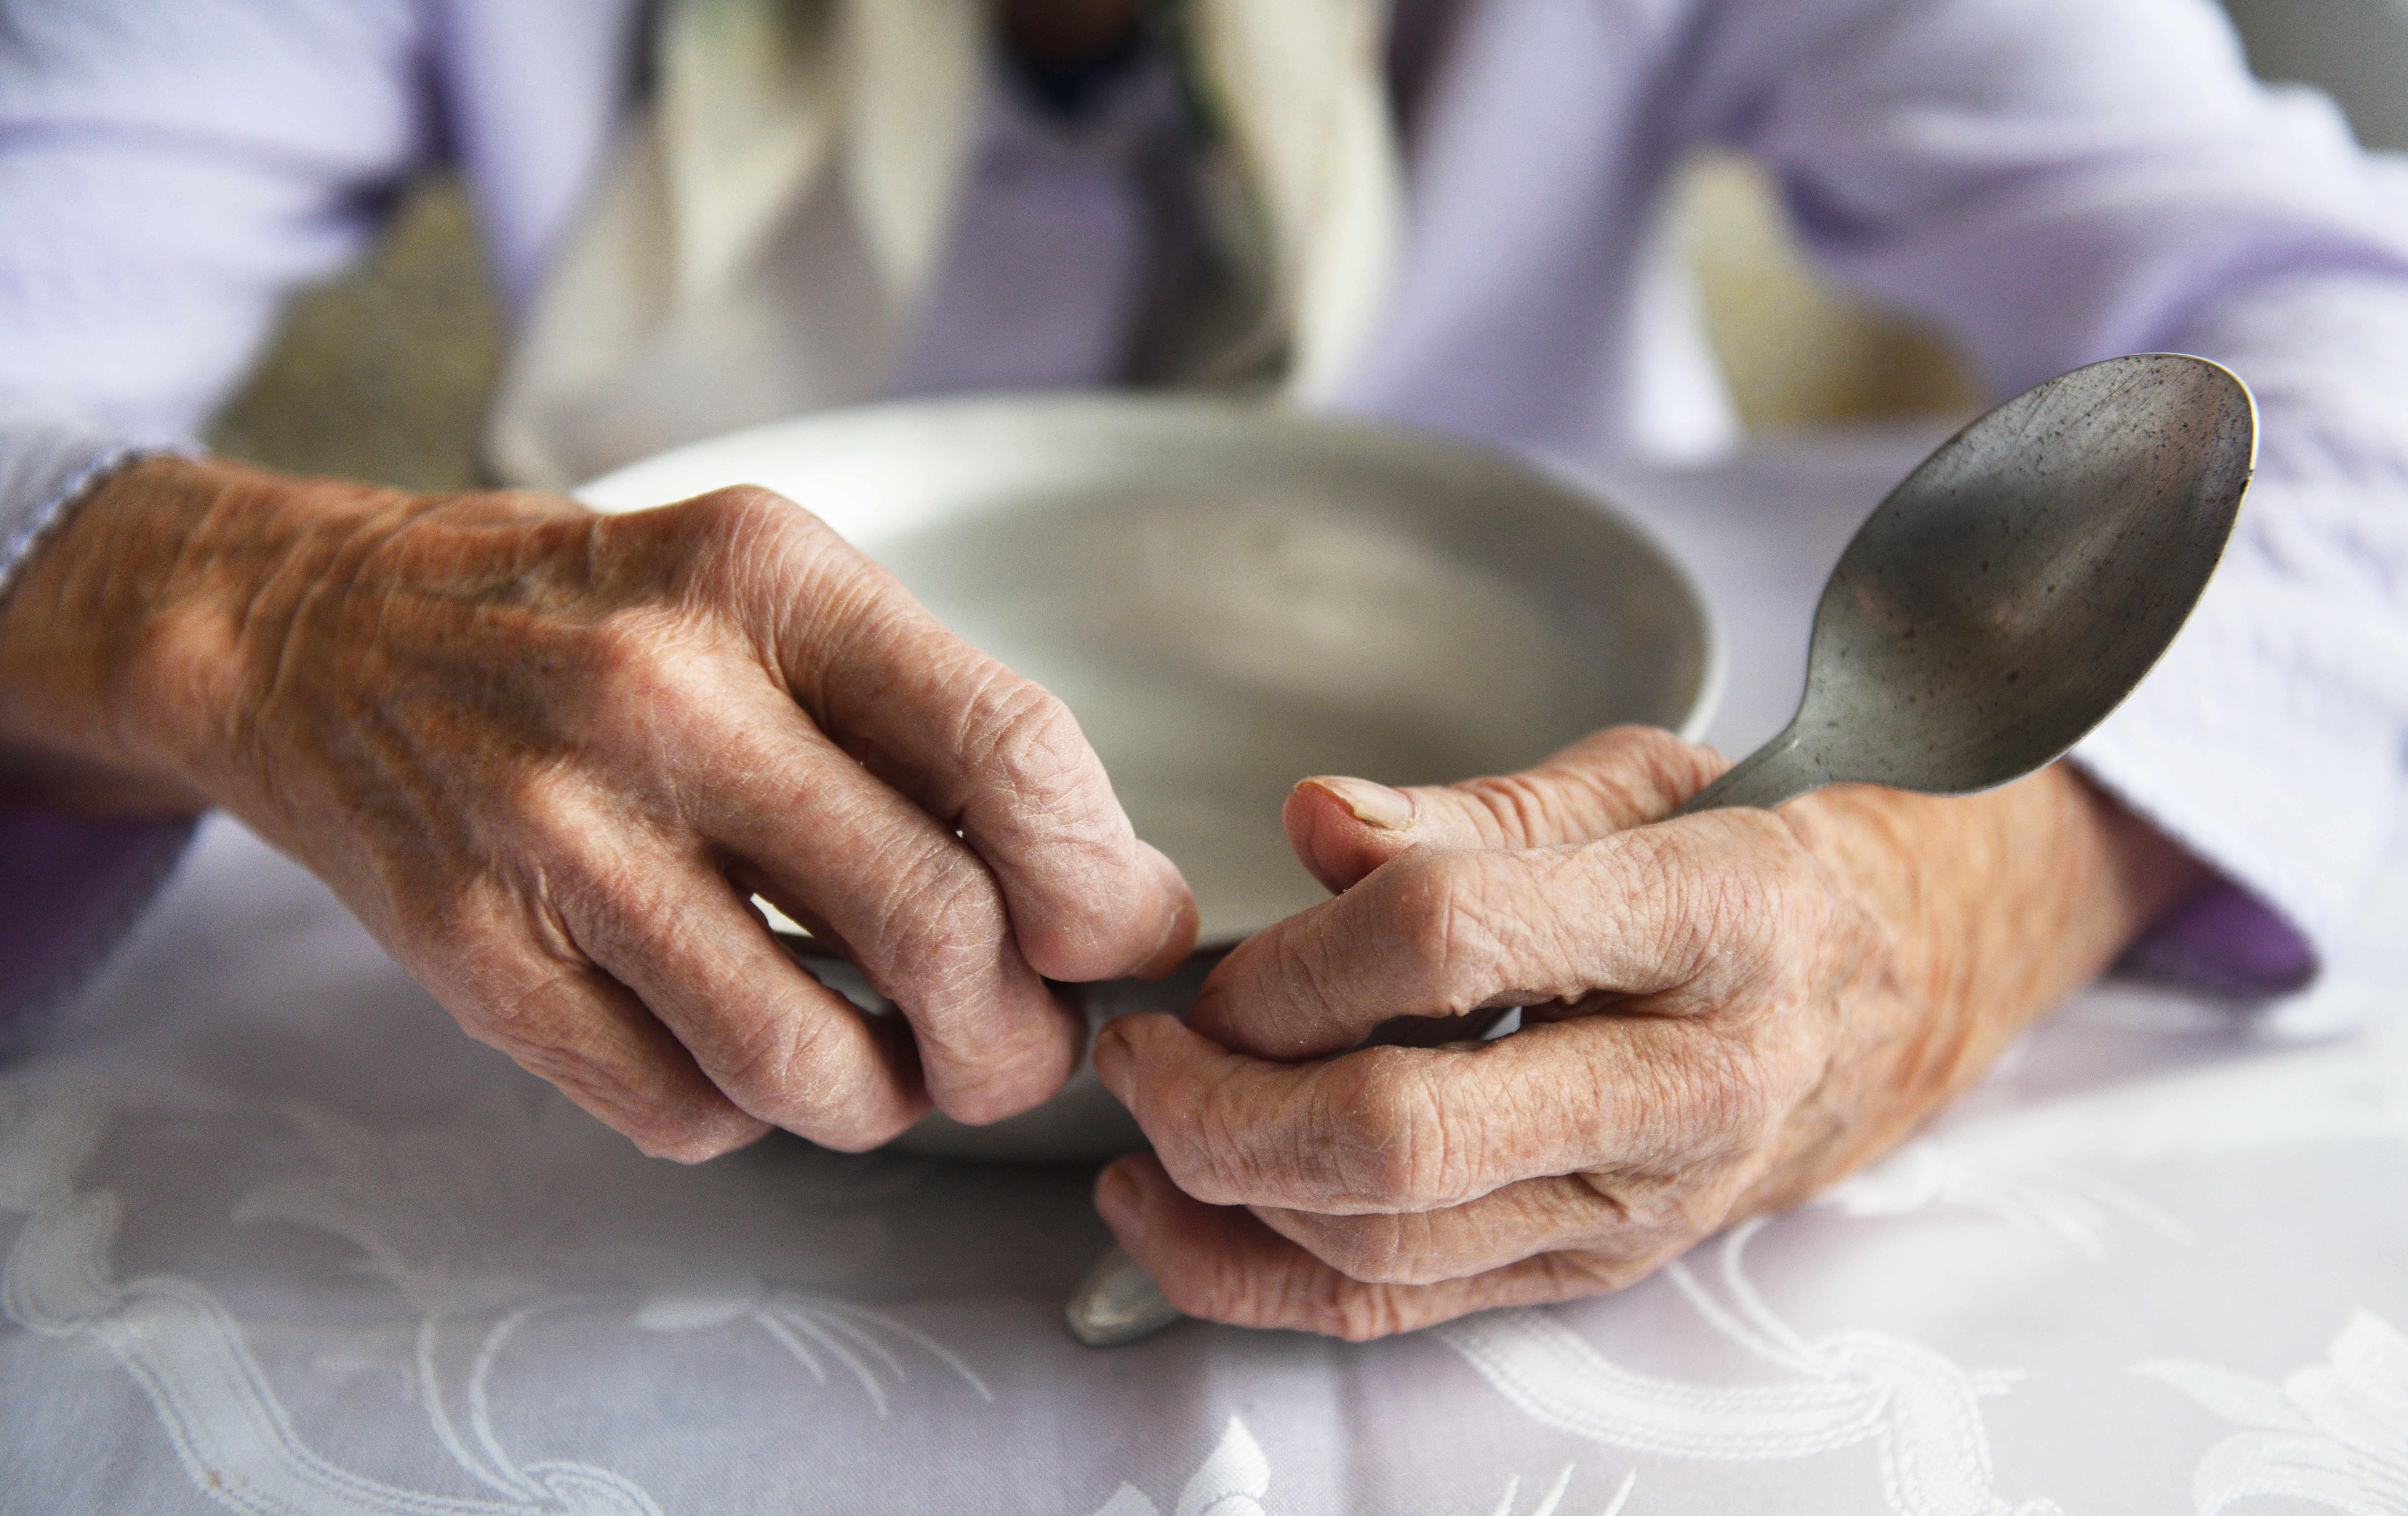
(2052, 180)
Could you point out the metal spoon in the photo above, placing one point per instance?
(2017, 586)
(2004, 599)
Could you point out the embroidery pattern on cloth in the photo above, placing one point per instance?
(458, 1217)
(2335, 1433)
(514, 1209)
(1231, 1481)
(1918, 1409)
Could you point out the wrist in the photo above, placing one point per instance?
(134, 639)
(2000, 903)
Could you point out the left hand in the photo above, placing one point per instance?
(1723, 1014)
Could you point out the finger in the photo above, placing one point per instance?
(913, 908)
(1088, 900)
(976, 745)
(572, 1025)
(1386, 1131)
(776, 1042)
(1625, 1226)
(1342, 828)
(1224, 1264)
(1442, 931)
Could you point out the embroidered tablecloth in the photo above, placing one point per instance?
(278, 1239)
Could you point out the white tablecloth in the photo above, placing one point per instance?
(278, 1237)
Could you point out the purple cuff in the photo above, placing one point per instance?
(70, 887)
(2226, 941)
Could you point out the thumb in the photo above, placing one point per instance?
(1342, 827)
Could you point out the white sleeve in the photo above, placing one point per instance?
(69, 886)
(167, 173)
(2271, 739)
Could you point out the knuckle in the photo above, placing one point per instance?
(764, 1058)
(1008, 1077)
(1661, 1217)
(659, 1124)
(932, 940)
(1212, 1147)
(749, 546)
(1637, 774)
(744, 518)
(611, 902)
(1677, 765)
(1744, 907)
(851, 1132)
(1719, 1100)
(938, 944)
(1376, 1250)
(800, 1072)
(1739, 1096)
(1357, 1312)
(1654, 746)
(1021, 731)
(543, 832)
(1445, 935)
(635, 653)
(1385, 1133)
(1282, 995)
(1577, 1275)
(1520, 809)
(660, 1133)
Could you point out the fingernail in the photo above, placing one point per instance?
(1121, 1200)
(1112, 1057)
(1373, 805)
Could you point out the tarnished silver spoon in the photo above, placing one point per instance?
(2014, 589)
(2004, 599)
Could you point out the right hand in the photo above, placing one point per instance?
(547, 756)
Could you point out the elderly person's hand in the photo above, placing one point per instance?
(548, 755)
(1726, 1012)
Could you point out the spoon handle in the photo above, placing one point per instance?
(1779, 770)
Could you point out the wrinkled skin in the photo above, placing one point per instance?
(546, 756)
(1725, 1013)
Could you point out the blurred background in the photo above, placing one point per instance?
(384, 374)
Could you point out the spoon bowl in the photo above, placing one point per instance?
(2014, 587)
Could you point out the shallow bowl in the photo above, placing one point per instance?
(1230, 598)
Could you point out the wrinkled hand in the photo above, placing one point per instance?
(1724, 1013)
(547, 757)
